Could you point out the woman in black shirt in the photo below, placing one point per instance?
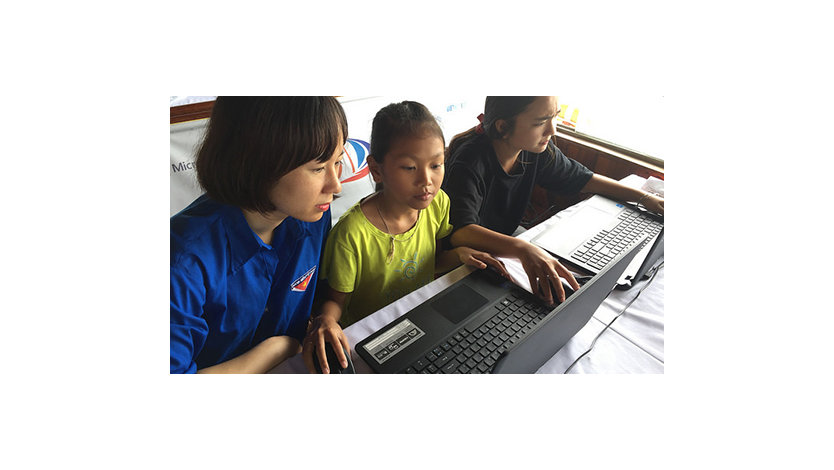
(490, 174)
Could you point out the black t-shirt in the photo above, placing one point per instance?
(482, 193)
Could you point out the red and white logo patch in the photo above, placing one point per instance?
(300, 284)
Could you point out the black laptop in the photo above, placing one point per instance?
(486, 324)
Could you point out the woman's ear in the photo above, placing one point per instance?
(501, 127)
(376, 169)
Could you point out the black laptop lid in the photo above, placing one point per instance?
(549, 336)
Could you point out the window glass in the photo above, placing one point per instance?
(635, 122)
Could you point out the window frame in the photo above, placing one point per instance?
(612, 148)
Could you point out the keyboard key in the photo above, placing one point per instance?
(450, 367)
(432, 369)
(442, 360)
(420, 364)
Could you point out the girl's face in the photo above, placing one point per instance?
(412, 170)
(306, 192)
(535, 125)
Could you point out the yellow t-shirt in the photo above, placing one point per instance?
(355, 258)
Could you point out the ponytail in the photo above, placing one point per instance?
(495, 108)
(459, 140)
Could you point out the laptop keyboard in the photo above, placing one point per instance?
(474, 349)
(607, 244)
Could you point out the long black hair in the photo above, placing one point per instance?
(495, 108)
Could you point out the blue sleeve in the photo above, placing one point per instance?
(189, 329)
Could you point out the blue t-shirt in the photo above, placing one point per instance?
(229, 290)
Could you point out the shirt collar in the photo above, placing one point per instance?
(244, 243)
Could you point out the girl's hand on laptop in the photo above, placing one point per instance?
(544, 271)
(481, 260)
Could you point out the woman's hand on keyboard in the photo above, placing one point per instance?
(544, 271)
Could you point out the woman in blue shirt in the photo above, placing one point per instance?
(245, 255)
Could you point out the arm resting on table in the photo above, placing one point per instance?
(262, 358)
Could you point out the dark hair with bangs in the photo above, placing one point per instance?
(252, 141)
(396, 120)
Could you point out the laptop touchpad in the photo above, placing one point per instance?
(459, 303)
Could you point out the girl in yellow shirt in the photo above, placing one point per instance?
(388, 244)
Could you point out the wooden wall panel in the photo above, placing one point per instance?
(190, 112)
